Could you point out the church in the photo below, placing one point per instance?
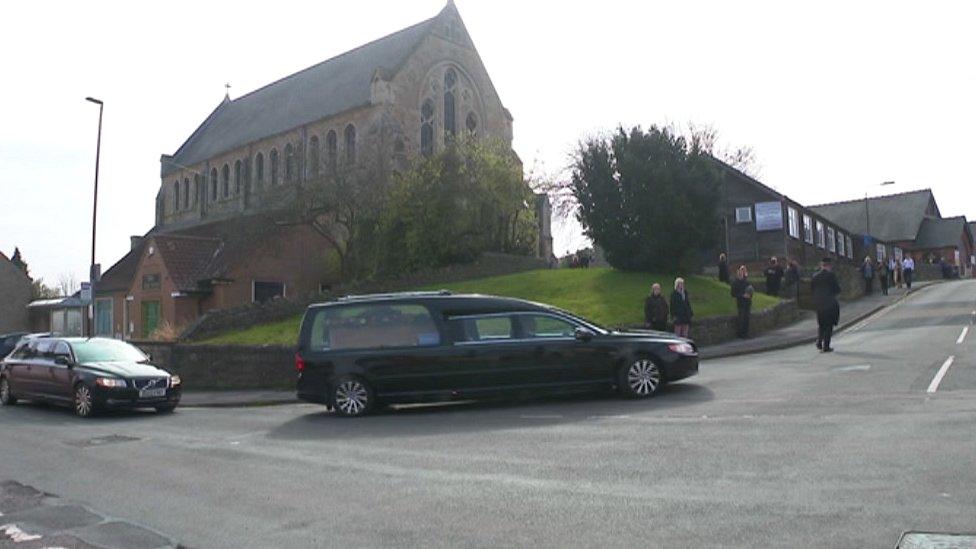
(216, 244)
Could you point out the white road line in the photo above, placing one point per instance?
(934, 386)
(962, 336)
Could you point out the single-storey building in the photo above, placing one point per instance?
(62, 315)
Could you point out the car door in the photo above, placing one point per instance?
(17, 369)
(488, 357)
(39, 369)
(558, 357)
(58, 383)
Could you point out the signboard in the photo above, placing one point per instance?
(86, 293)
(769, 216)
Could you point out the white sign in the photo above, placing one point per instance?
(769, 216)
(86, 293)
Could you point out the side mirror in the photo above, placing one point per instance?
(582, 334)
(62, 360)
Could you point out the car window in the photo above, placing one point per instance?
(45, 349)
(544, 326)
(482, 328)
(373, 326)
(61, 349)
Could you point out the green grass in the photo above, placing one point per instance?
(606, 296)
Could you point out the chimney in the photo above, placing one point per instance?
(135, 242)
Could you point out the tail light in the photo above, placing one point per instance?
(299, 363)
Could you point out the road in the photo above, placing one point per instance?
(791, 448)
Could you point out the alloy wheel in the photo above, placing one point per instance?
(83, 401)
(351, 398)
(643, 377)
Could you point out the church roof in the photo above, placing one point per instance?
(894, 217)
(330, 87)
(941, 233)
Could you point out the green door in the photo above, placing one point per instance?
(150, 317)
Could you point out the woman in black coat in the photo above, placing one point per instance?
(656, 310)
(681, 308)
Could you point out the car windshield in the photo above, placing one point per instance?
(107, 350)
(585, 322)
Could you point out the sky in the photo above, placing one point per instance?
(833, 97)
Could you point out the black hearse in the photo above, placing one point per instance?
(358, 351)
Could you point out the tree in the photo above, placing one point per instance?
(67, 284)
(648, 198)
(18, 261)
(455, 205)
(40, 290)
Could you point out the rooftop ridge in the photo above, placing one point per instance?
(186, 237)
(855, 200)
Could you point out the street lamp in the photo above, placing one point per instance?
(867, 213)
(92, 274)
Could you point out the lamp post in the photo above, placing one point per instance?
(92, 275)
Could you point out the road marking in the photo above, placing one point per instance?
(854, 368)
(962, 336)
(934, 386)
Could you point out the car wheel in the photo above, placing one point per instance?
(6, 397)
(352, 397)
(84, 401)
(165, 409)
(639, 379)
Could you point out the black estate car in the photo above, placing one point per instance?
(89, 374)
(430, 346)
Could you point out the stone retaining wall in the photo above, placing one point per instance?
(719, 329)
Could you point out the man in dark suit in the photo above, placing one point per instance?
(825, 289)
(742, 291)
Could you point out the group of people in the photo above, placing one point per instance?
(890, 273)
(775, 275)
(657, 310)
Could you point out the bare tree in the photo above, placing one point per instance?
(67, 284)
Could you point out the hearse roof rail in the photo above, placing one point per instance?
(394, 295)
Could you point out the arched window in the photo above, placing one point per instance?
(332, 149)
(225, 181)
(196, 188)
(471, 123)
(289, 163)
(313, 156)
(259, 169)
(427, 128)
(238, 176)
(450, 83)
(213, 185)
(186, 192)
(176, 196)
(274, 166)
(350, 144)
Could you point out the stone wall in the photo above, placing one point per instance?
(215, 367)
(719, 329)
(489, 264)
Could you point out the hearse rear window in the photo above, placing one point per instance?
(372, 327)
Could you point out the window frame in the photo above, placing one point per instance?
(793, 221)
(831, 240)
(740, 209)
(821, 235)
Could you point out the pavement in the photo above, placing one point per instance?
(786, 448)
(801, 332)
(804, 330)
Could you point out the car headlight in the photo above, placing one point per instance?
(682, 348)
(110, 382)
(175, 381)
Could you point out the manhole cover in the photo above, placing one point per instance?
(936, 540)
(101, 441)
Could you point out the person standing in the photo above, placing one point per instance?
(723, 268)
(793, 279)
(681, 308)
(656, 310)
(867, 273)
(883, 277)
(825, 289)
(899, 274)
(742, 291)
(908, 270)
(774, 277)
(892, 271)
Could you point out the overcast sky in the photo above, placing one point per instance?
(834, 97)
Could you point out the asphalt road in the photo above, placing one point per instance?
(785, 449)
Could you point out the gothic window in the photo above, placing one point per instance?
(313, 156)
(225, 181)
(427, 128)
(238, 177)
(471, 123)
(332, 149)
(259, 169)
(213, 185)
(350, 144)
(289, 163)
(450, 84)
(176, 196)
(186, 192)
(274, 166)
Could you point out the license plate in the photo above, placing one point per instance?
(152, 393)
